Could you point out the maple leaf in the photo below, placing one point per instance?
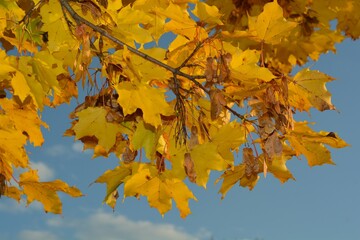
(12, 149)
(230, 178)
(113, 179)
(145, 137)
(311, 144)
(226, 72)
(150, 100)
(25, 119)
(159, 189)
(45, 192)
(92, 122)
(245, 68)
(270, 26)
(308, 90)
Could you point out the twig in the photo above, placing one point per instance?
(174, 71)
(103, 32)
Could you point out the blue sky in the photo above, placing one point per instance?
(322, 204)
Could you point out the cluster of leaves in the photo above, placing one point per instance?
(171, 116)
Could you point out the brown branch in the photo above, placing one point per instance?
(79, 19)
(174, 71)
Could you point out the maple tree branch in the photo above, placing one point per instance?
(174, 71)
(79, 19)
(198, 46)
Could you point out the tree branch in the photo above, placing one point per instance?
(174, 71)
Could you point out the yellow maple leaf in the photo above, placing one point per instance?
(311, 144)
(145, 137)
(230, 178)
(208, 14)
(159, 189)
(14, 193)
(244, 68)
(277, 165)
(270, 26)
(150, 100)
(92, 122)
(308, 90)
(25, 119)
(12, 141)
(54, 23)
(45, 192)
(113, 179)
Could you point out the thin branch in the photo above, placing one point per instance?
(174, 71)
(198, 46)
(103, 32)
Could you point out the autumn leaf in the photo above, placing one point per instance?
(220, 76)
(159, 189)
(145, 137)
(25, 119)
(45, 192)
(308, 90)
(311, 144)
(92, 122)
(270, 26)
(150, 100)
(113, 179)
(230, 178)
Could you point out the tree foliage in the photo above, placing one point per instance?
(224, 86)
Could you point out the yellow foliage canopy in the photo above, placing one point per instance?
(224, 86)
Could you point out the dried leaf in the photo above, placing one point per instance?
(273, 145)
(218, 102)
(189, 167)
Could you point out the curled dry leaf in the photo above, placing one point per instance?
(129, 155)
(210, 71)
(218, 101)
(273, 145)
(189, 167)
(267, 126)
(224, 68)
(194, 140)
(251, 163)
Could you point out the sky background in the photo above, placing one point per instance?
(322, 204)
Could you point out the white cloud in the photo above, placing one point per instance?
(77, 147)
(36, 235)
(45, 172)
(108, 226)
(11, 206)
(56, 150)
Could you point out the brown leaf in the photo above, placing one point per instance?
(194, 140)
(217, 103)
(273, 145)
(224, 68)
(129, 155)
(210, 71)
(251, 163)
(189, 167)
